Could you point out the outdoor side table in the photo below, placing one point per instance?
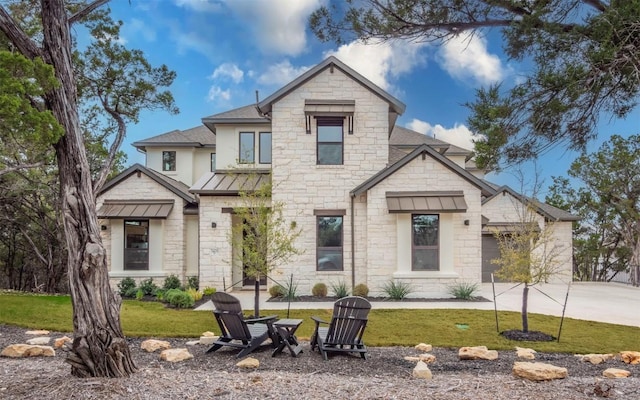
(286, 329)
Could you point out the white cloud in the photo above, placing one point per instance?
(228, 70)
(280, 74)
(465, 57)
(459, 135)
(217, 94)
(278, 25)
(137, 27)
(199, 5)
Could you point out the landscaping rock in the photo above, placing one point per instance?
(424, 347)
(595, 359)
(175, 355)
(192, 343)
(422, 371)
(616, 373)
(151, 345)
(536, 371)
(37, 333)
(248, 363)
(207, 340)
(426, 358)
(42, 340)
(529, 354)
(27, 350)
(477, 353)
(58, 343)
(630, 357)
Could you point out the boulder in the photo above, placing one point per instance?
(630, 357)
(595, 359)
(616, 373)
(208, 334)
(529, 354)
(27, 350)
(37, 333)
(175, 355)
(537, 371)
(207, 340)
(58, 343)
(248, 363)
(477, 353)
(151, 345)
(41, 340)
(422, 371)
(426, 358)
(424, 347)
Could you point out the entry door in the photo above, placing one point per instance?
(250, 281)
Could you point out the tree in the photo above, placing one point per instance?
(99, 347)
(585, 54)
(262, 240)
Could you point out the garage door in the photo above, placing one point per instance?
(490, 251)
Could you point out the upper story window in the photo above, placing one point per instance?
(247, 148)
(425, 242)
(213, 162)
(265, 148)
(330, 140)
(168, 160)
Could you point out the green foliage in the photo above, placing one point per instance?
(361, 290)
(193, 282)
(208, 291)
(179, 298)
(147, 287)
(463, 290)
(195, 294)
(171, 282)
(139, 294)
(276, 291)
(339, 289)
(290, 290)
(160, 294)
(319, 290)
(127, 287)
(397, 290)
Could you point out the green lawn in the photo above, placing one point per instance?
(386, 327)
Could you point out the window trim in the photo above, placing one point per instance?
(319, 248)
(260, 159)
(414, 247)
(173, 161)
(329, 121)
(252, 160)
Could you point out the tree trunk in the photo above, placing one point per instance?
(256, 298)
(525, 300)
(99, 347)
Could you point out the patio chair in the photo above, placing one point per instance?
(238, 332)
(344, 332)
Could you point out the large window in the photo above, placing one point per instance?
(213, 162)
(168, 160)
(265, 147)
(329, 249)
(247, 148)
(136, 245)
(424, 242)
(330, 140)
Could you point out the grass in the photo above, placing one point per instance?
(386, 327)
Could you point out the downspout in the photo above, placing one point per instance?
(353, 244)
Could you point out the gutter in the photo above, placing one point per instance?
(353, 244)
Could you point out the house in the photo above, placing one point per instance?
(375, 201)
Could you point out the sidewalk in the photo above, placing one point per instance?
(593, 301)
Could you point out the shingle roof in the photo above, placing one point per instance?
(245, 114)
(401, 136)
(544, 209)
(199, 136)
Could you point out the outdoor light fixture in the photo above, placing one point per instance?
(466, 222)
(103, 227)
(214, 225)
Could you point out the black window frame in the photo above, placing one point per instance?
(329, 121)
(171, 162)
(135, 250)
(248, 160)
(260, 155)
(415, 247)
(336, 249)
(213, 162)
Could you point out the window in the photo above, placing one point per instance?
(168, 160)
(213, 162)
(265, 147)
(247, 148)
(424, 242)
(330, 140)
(136, 245)
(329, 249)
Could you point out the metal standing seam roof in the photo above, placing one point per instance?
(230, 183)
(406, 202)
(135, 209)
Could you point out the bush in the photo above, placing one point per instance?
(290, 290)
(463, 290)
(193, 282)
(340, 289)
(397, 290)
(208, 291)
(148, 287)
(127, 287)
(139, 294)
(179, 298)
(276, 291)
(160, 294)
(194, 293)
(171, 282)
(319, 290)
(361, 290)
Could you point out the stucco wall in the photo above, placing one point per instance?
(228, 142)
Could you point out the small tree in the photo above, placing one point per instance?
(267, 239)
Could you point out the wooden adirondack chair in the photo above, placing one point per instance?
(238, 332)
(344, 333)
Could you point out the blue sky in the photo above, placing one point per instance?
(225, 50)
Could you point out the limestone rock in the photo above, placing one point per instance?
(208, 334)
(248, 363)
(522, 352)
(37, 333)
(175, 355)
(41, 340)
(58, 343)
(422, 371)
(424, 347)
(477, 353)
(207, 340)
(192, 343)
(426, 358)
(27, 350)
(595, 359)
(151, 345)
(537, 371)
(630, 357)
(616, 373)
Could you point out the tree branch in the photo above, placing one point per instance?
(115, 145)
(17, 37)
(20, 167)
(86, 11)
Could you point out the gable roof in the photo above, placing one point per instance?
(548, 211)
(242, 115)
(199, 136)
(401, 137)
(170, 184)
(395, 105)
(422, 150)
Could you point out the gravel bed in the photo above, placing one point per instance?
(385, 375)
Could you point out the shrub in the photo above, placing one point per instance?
(276, 291)
(148, 287)
(171, 282)
(127, 287)
(208, 291)
(179, 298)
(160, 294)
(194, 293)
(319, 290)
(290, 290)
(193, 282)
(463, 290)
(139, 294)
(361, 290)
(340, 289)
(397, 290)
